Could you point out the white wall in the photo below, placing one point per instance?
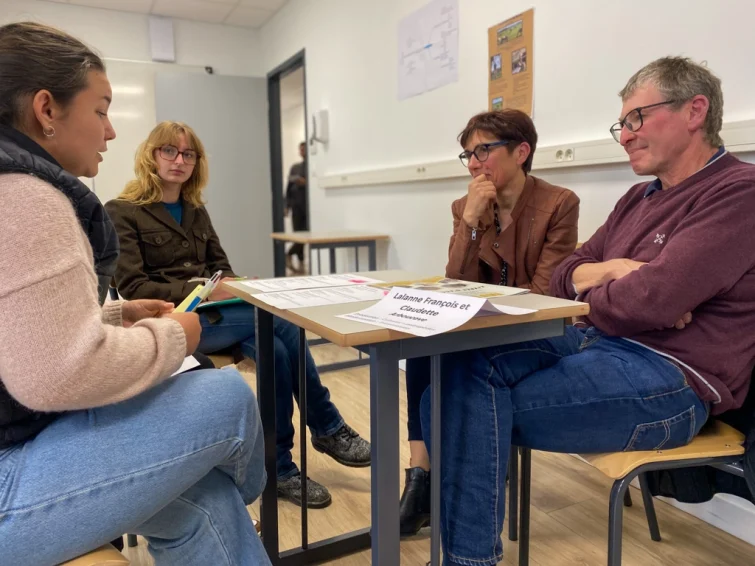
(229, 50)
(584, 53)
(121, 35)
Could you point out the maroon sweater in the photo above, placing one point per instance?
(698, 239)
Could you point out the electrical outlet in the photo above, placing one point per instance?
(569, 155)
(560, 155)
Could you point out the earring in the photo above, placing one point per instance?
(48, 132)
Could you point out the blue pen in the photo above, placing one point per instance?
(193, 304)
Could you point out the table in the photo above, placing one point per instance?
(332, 241)
(386, 347)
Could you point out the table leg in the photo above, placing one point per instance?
(372, 246)
(266, 401)
(384, 360)
(303, 434)
(435, 461)
(332, 260)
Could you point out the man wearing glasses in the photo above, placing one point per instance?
(670, 279)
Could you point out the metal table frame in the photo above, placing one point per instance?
(371, 245)
(383, 536)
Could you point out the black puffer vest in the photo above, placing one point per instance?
(20, 154)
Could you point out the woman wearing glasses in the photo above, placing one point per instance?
(509, 229)
(167, 243)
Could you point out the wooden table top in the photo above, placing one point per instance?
(336, 237)
(324, 320)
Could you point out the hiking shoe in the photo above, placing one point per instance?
(345, 446)
(318, 495)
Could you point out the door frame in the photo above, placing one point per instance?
(276, 149)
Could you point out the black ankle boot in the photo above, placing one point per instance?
(415, 502)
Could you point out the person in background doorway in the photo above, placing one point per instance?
(509, 229)
(167, 242)
(296, 204)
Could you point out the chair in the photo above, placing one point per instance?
(718, 445)
(106, 555)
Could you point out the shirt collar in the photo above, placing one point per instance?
(655, 186)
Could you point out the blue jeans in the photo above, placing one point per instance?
(177, 464)
(323, 418)
(583, 392)
(417, 382)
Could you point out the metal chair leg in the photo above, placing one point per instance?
(524, 543)
(616, 520)
(647, 499)
(627, 499)
(131, 541)
(513, 492)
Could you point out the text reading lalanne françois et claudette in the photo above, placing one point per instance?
(421, 310)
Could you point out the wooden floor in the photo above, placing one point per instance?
(569, 504)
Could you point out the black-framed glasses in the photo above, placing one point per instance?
(171, 153)
(633, 120)
(481, 152)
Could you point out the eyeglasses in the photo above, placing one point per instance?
(171, 153)
(481, 152)
(633, 120)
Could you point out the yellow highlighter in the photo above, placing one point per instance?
(199, 294)
(191, 302)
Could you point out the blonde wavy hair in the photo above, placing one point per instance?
(147, 188)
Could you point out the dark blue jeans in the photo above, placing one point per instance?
(323, 418)
(583, 392)
(417, 381)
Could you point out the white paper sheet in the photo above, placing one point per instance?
(189, 362)
(422, 313)
(317, 297)
(506, 309)
(314, 282)
(427, 313)
(428, 48)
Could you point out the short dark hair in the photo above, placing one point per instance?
(36, 57)
(508, 124)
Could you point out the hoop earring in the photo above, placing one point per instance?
(49, 135)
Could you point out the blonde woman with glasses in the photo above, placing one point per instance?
(167, 243)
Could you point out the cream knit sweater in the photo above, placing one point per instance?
(59, 350)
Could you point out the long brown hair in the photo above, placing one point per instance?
(36, 57)
(147, 188)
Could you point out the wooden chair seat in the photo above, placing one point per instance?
(106, 555)
(715, 440)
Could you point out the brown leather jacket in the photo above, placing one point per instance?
(158, 257)
(543, 232)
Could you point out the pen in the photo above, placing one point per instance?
(209, 287)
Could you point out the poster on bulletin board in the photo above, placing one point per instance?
(510, 78)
